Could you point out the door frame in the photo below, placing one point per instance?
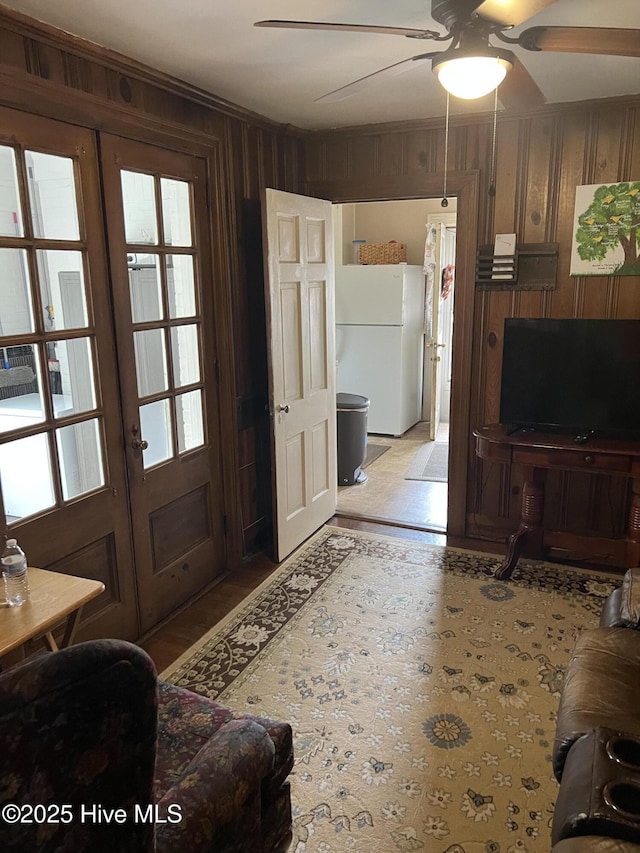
(464, 185)
(444, 220)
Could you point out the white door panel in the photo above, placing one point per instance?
(301, 338)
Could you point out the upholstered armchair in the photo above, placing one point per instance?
(97, 755)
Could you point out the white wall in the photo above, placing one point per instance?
(382, 221)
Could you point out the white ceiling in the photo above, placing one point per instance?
(278, 73)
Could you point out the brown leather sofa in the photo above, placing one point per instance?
(596, 755)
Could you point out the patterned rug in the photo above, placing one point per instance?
(422, 692)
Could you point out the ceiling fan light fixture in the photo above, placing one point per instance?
(470, 76)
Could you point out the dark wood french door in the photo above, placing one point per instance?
(63, 485)
(159, 253)
(109, 425)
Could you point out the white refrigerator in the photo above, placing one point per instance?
(379, 341)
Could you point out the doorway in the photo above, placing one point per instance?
(407, 468)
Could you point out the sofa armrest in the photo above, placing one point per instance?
(219, 788)
(630, 604)
(595, 844)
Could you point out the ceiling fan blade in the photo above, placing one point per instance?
(602, 40)
(519, 90)
(511, 12)
(390, 71)
(349, 28)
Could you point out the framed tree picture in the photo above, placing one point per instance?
(605, 229)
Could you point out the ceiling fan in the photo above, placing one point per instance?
(469, 25)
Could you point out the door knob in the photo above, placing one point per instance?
(139, 444)
(284, 409)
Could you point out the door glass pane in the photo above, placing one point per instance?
(155, 428)
(62, 290)
(21, 400)
(145, 289)
(10, 209)
(189, 420)
(176, 212)
(16, 310)
(181, 286)
(25, 471)
(139, 204)
(52, 193)
(71, 377)
(151, 362)
(80, 452)
(185, 355)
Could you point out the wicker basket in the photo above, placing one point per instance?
(383, 253)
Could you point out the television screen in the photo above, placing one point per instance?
(572, 376)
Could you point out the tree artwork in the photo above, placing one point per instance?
(606, 230)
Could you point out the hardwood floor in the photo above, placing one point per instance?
(388, 496)
(185, 628)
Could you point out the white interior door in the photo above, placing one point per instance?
(299, 270)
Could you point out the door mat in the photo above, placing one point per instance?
(431, 462)
(374, 451)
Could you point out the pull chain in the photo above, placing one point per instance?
(445, 202)
(492, 185)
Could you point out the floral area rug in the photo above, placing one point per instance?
(422, 692)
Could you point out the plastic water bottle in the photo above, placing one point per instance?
(14, 574)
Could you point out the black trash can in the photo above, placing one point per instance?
(352, 415)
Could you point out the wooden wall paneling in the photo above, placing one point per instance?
(292, 148)
(597, 291)
(336, 158)
(475, 154)
(626, 287)
(540, 168)
(363, 157)
(12, 50)
(494, 480)
(242, 169)
(245, 155)
(45, 61)
(393, 154)
(267, 158)
(572, 132)
(610, 142)
(248, 477)
(313, 159)
(422, 152)
(222, 240)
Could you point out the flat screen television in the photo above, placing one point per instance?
(572, 376)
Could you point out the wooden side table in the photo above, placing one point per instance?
(541, 452)
(55, 599)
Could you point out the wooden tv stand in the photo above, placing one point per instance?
(540, 452)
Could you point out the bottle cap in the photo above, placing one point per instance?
(11, 543)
